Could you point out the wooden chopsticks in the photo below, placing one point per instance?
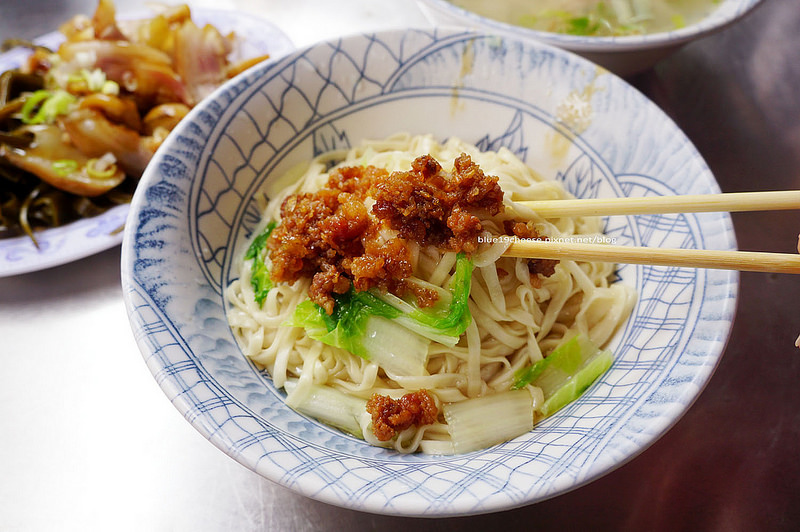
(727, 202)
(753, 261)
(689, 258)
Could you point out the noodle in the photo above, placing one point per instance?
(517, 318)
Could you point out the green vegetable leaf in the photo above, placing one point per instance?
(441, 323)
(566, 372)
(581, 26)
(313, 319)
(526, 375)
(578, 383)
(351, 312)
(384, 328)
(260, 279)
(679, 21)
(347, 325)
(565, 359)
(456, 318)
(365, 326)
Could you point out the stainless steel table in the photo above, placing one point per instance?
(89, 441)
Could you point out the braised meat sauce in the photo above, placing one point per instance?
(390, 416)
(332, 237)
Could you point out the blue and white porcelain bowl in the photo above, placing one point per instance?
(196, 206)
(623, 55)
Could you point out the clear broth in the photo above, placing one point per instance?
(594, 17)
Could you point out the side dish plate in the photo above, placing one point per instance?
(86, 237)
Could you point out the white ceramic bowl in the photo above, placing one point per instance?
(623, 55)
(196, 207)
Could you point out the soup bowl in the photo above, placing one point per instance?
(199, 203)
(624, 55)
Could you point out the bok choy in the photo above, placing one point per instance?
(483, 421)
(446, 321)
(388, 330)
(566, 373)
(260, 279)
(363, 325)
(330, 406)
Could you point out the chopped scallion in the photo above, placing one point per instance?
(43, 106)
(64, 167)
(95, 170)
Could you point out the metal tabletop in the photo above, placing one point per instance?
(79, 451)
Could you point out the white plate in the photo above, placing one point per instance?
(92, 235)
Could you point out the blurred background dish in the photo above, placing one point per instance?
(623, 54)
(86, 236)
(198, 204)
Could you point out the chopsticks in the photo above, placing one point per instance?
(752, 261)
(690, 258)
(727, 202)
